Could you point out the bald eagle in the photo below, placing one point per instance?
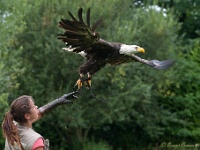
(82, 39)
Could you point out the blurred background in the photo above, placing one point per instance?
(145, 108)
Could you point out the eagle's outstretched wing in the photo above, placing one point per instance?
(164, 64)
(79, 35)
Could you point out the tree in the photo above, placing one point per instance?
(188, 14)
(9, 68)
(184, 94)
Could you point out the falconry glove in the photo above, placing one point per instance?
(65, 99)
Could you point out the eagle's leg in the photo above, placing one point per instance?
(88, 80)
(79, 82)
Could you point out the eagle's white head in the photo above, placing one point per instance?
(130, 49)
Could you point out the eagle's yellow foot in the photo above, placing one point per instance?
(81, 80)
(79, 83)
(88, 81)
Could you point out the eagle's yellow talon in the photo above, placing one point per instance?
(79, 84)
(89, 82)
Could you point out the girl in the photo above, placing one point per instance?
(17, 123)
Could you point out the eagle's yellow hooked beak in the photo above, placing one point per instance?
(140, 49)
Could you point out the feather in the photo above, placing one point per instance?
(96, 24)
(74, 35)
(72, 25)
(72, 17)
(88, 17)
(154, 63)
(80, 11)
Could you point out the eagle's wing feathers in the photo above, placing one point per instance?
(154, 63)
(96, 24)
(80, 11)
(88, 17)
(78, 34)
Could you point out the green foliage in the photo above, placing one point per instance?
(7, 40)
(92, 145)
(3, 109)
(184, 97)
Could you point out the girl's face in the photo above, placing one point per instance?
(33, 111)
